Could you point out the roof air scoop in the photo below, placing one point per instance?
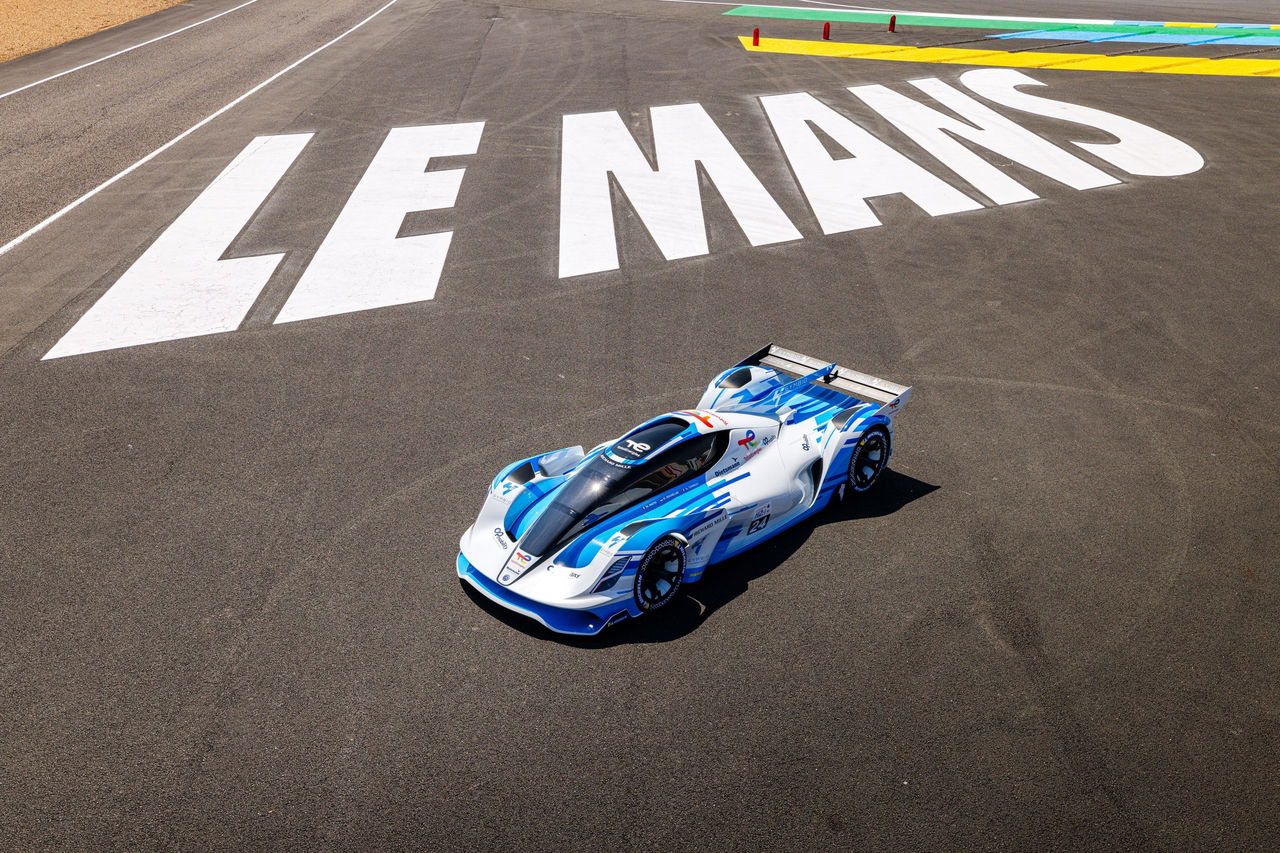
(560, 462)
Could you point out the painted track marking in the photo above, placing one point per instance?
(37, 228)
(956, 19)
(1230, 38)
(149, 303)
(1005, 59)
(126, 50)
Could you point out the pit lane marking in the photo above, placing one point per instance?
(1005, 59)
(1244, 38)
(862, 15)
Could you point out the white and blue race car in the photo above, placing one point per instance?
(579, 541)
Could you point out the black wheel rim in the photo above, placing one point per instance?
(661, 574)
(868, 462)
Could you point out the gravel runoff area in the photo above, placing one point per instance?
(30, 25)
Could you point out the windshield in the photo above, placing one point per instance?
(603, 487)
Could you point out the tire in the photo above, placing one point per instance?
(870, 458)
(660, 574)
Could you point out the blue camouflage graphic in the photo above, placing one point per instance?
(579, 540)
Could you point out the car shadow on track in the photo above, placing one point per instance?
(725, 581)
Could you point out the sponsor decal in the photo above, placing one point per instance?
(701, 535)
(522, 559)
(763, 510)
(804, 442)
(505, 491)
(704, 527)
(706, 418)
(628, 450)
(725, 470)
(639, 448)
(755, 445)
(501, 536)
(749, 440)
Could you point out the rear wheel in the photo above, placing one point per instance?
(870, 458)
(660, 574)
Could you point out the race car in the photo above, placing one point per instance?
(580, 541)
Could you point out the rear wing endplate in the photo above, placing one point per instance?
(861, 385)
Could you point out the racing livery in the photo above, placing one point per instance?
(579, 541)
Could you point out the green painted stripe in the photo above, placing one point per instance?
(846, 16)
(883, 18)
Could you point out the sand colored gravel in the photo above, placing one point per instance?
(31, 25)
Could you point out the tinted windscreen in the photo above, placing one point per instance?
(602, 488)
(638, 444)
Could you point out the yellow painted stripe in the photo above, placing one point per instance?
(1027, 59)
(1201, 26)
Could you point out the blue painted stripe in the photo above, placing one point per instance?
(1080, 35)
(1159, 38)
(1140, 38)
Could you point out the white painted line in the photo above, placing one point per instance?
(126, 50)
(179, 288)
(840, 6)
(36, 229)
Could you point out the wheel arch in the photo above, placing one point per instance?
(852, 429)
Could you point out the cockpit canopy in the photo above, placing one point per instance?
(631, 470)
(637, 445)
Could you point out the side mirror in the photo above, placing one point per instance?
(561, 461)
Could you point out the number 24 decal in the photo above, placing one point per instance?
(758, 525)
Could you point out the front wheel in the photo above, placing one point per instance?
(870, 458)
(660, 574)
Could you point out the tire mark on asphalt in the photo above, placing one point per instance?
(1009, 624)
(1113, 394)
(205, 714)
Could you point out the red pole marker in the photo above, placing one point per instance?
(826, 31)
(755, 37)
(893, 23)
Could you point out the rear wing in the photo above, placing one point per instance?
(828, 374)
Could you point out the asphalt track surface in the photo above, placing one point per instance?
(232, 620)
